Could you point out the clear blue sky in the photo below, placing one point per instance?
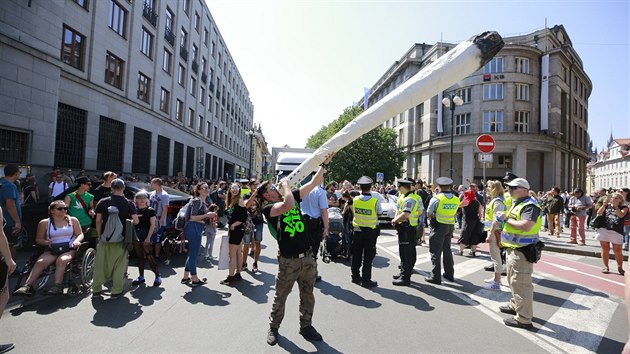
(305, 61)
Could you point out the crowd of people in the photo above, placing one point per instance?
(506, 214)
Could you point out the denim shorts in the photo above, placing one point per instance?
(258, 234)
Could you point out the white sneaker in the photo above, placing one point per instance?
(489, 280)
(493, 286)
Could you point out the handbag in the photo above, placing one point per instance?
(224, 253)
(598, 222)
(60, 247)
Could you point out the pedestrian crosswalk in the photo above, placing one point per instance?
(578, 325)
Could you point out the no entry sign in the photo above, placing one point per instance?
(485, 143)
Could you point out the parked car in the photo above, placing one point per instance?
(388, 207)
(33, 213)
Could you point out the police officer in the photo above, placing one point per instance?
(520, 232)
(406, 222)
(366, 209)
(442, 209)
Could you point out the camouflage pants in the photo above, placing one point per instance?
(303, 270)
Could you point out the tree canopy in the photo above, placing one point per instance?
(375, 151)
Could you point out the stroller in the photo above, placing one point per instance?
(333, 244)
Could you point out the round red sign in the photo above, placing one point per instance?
(485, 143)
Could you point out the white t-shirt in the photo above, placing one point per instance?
(58, 187)
(158, 202)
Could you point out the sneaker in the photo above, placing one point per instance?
(97, 295)
(167, 261)
(157, 282)
(25, 290)
(310, 333)
(116, 296)
(255, 267)
(272, 336)
(199, 282)
(56, 289)
(185, 280)
(138, 281)
(493, 285)
(238, 276)
(489, 280)
(512, 322)
(507, 309)
(6, 347)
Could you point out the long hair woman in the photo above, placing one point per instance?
(496, 203)
(614, 211)
(238, 215)
(192, 231)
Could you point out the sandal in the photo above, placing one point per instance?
(605, 270)
(25, 290)
(621, 271)
(199, 282)
(56, 289)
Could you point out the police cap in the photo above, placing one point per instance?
(444, 181)
(404, 182)
(365, 180)
(509, 176)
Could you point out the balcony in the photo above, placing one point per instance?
(195, 66)
(169, 36)
(183, 52)
(204, 77)
(149, 14)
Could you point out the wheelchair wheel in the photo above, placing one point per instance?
(73, 290)
(21, 239)
(23, 275)
(87, 267)
(43, 280)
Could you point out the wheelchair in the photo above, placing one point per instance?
(77, 277)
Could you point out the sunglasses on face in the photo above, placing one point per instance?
(513, 188)
(61, 208)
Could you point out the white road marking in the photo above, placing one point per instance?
(569, 269)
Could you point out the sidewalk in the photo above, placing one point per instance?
(560, 245)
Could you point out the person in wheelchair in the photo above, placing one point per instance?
(59, 236)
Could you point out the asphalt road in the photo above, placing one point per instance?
(573, 314)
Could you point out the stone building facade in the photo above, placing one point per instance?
(611, 169)
(145, 86)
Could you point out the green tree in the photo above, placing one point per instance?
(376, 151)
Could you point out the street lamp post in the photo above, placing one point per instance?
(250, 133)
(451, 101)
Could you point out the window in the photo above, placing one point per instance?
(208, 130)
(202, 95)
(170, 19)
(72, 47)
(165, 98)
(465, 94)
(201, 124)
(83, 4)
(492, 121)
(462, 124)
(521, 122)
(70, 137)
(493, 91)
(186, 5)
(178, 158)
(183, 38)
(193, 86)
(141, 159)
(181, 75)
(564, 73)
(179, 111)
(167, 59)
(144, 84)
(206, 36)
(213, 49)
(494, 66)
(522, 92)
(214, 137)
(203, 64)
(110, 150)
(191, 117)
(210, 103)
(196, 22)
(194, 52)
(117, 18)
(114, 70)
(522, 65)
(147, 43)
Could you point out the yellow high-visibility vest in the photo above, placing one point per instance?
(446, 209)
(365, 212)
(514, 238)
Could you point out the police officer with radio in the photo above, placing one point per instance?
(521, 226)
(366, 210)
(442, 209)
(406, 222)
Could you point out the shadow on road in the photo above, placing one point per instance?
(350, 297)
(46, 305)
(256, 292)
(206, 296)
(587, 339)
(569, 287)
(321, 347)
(380, 262)
(115, 313)
(404, 298)
(147, 295)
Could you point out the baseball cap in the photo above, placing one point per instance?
(519, 182)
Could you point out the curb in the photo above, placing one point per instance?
(579, 252)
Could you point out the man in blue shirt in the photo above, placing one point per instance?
(10, 202)
(315, 210)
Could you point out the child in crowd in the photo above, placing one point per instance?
(211, 232)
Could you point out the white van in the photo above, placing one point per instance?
(289, 161)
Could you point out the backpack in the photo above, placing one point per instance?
(113, 230)
(183, 216)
